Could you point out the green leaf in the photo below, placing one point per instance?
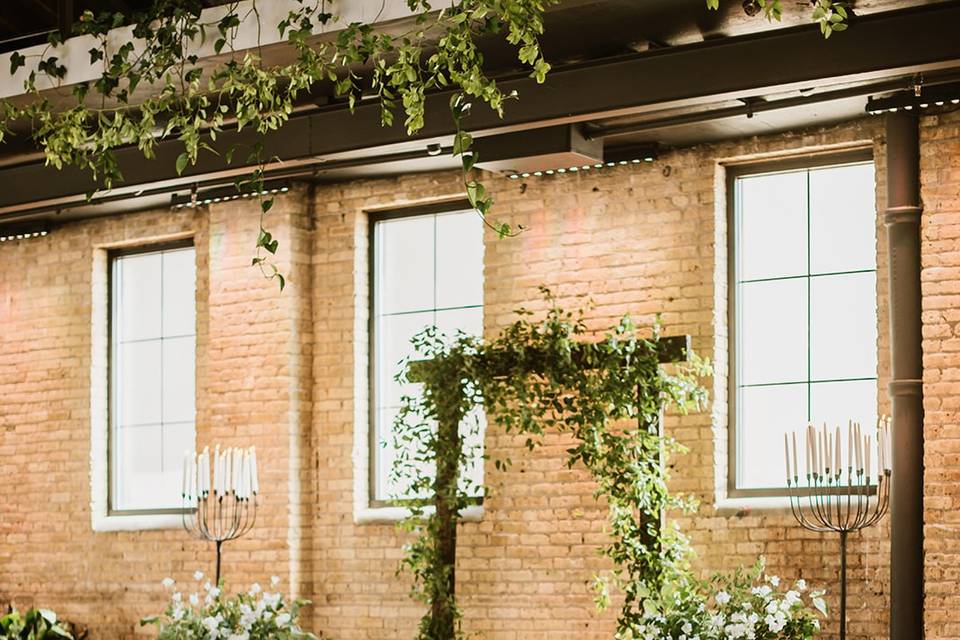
(17, 60)
(182, 160)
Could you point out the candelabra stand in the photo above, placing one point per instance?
(227, 509)
(837, 499)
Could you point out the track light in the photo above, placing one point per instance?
(615, 157)
(11, 236)
(929, 97)
(226, 194)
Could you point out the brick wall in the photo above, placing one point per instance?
(940, 277)
(287, 372)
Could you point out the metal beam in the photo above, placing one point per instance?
(877, 46)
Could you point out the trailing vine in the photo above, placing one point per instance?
(154, 87)
(542, 376)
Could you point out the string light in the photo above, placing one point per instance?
(23, 236)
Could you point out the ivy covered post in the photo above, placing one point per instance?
(461, 376)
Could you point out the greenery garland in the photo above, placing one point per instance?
(540, 376)
(154, 87)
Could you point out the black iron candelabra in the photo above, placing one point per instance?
(837, 498)
(226, 508)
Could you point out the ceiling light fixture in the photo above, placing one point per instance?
(225, 194)
(929, 97)
(615, 157)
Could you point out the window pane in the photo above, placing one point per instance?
(836, 403)
(772, 230)
(843, 326)
(138, 479)
(765, 414)
(459, 259)
(472, 430)
(137, 379)
(138, 307)
(385, 454)
(469, 321)
(772, 331)
(843, 219)
(178, 380)
(408, 291)
(405, 264)
(178, 438)
(394, 335)
(152, 388)
(179, 292)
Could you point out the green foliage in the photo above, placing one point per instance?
(156, 89)
(551, 375)
(205, 614)
(33, 624)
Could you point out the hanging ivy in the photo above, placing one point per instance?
(541, 376)
(155, 87)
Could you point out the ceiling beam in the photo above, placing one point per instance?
(877, 46)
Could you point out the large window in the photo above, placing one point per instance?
(152, 346)
(427, 271)
(803, 310)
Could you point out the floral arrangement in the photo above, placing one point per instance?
(747, 605)
(205, 614)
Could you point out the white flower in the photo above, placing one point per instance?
(687, 628)
(723, 598)
(271, 600)
(254, 588)
(194, 599)
(801, 585)
(775, 623)
(207, 586)
(198, 575)
(274, 581)
(177, 597)
(167, 582)
(774, 580)
(820, 605)
(762, 591)
(283, 619)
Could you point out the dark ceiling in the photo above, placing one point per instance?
(27, 22)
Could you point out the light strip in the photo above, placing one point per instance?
(209, 198)
(585, 167)
(23, 236)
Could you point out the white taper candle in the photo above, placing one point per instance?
(254, 477)
(796, 469)
(786, 455)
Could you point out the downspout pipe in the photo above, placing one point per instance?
(902, 219)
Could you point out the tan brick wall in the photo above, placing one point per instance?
(287, 372)
(940, 250)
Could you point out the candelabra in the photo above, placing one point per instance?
(835, 499)
(227, 508)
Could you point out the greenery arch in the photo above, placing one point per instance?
(542, 375)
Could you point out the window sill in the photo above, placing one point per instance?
(743, 507)
(157, 522)
(393, 515)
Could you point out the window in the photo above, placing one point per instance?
(427, 270)
(152, 345)
(803, 310)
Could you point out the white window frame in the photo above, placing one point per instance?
(368, 507)
(771, 496)
(103, 517)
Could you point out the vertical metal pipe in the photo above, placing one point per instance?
(902, 219)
